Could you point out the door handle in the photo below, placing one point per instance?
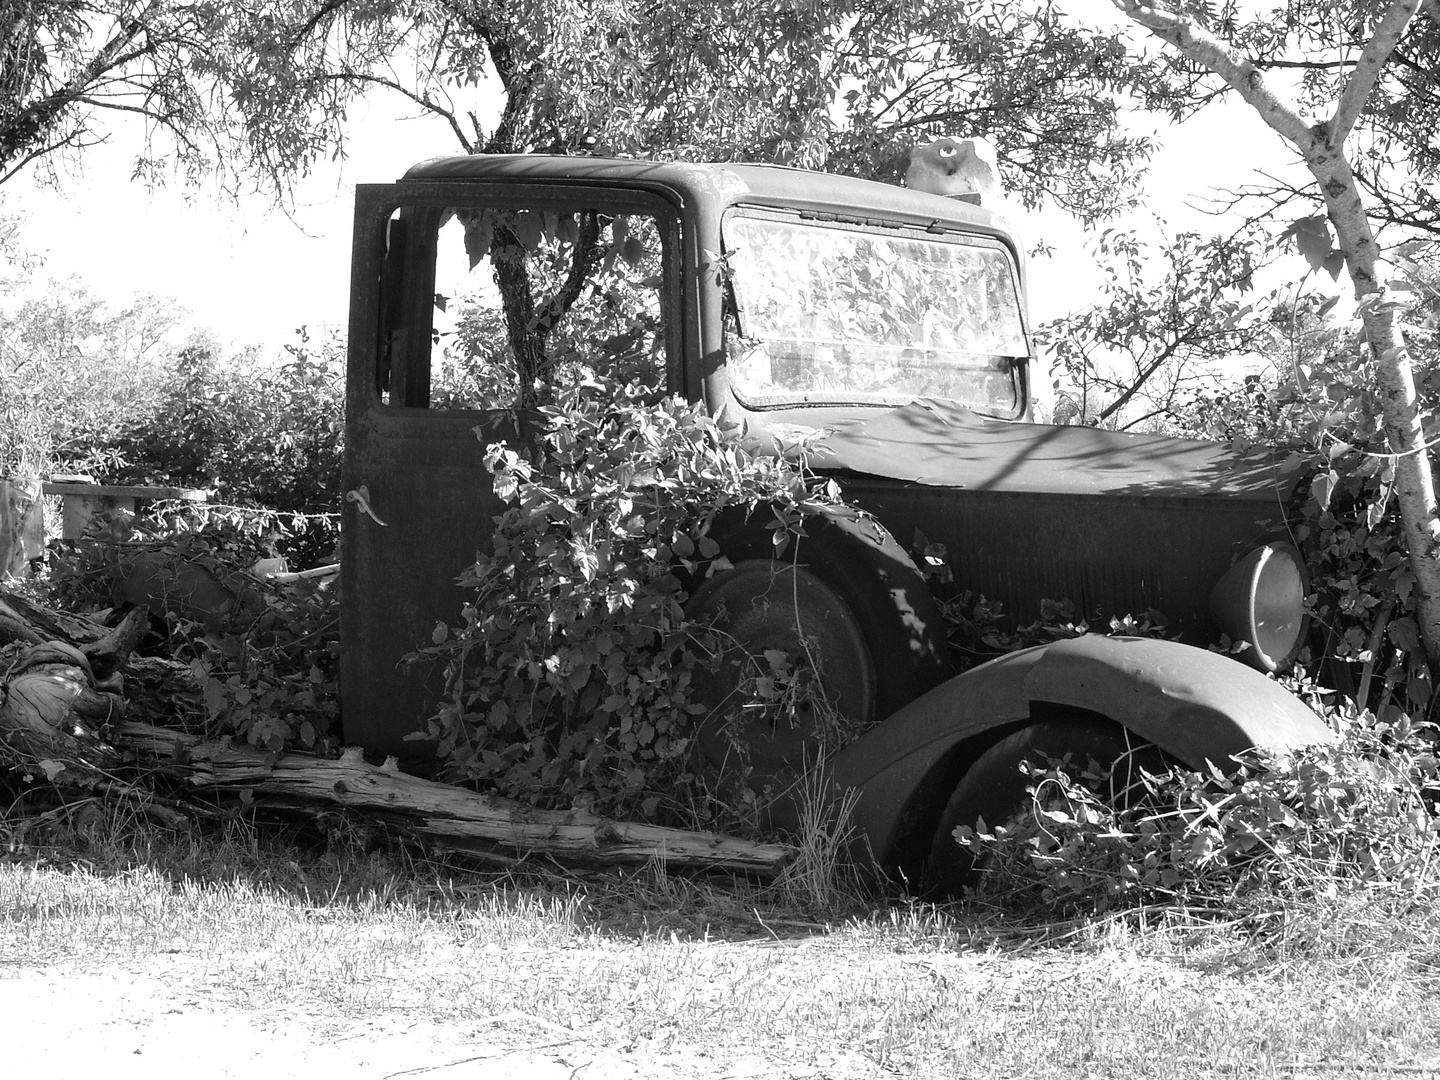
(361, 497)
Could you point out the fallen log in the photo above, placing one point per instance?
(15, 627)
(61, 705)
(449, 817)
(21, 619)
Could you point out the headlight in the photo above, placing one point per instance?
(1261, 599)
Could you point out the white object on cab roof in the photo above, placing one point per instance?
(960, 168)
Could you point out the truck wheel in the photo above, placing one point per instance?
(993, 788)
(863, 566)
(763, 605)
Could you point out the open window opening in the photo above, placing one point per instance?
(488, 307)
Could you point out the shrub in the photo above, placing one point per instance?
(257, 435)
(1358, 811)
(73, 370)
(266, 664)
(1322, 403)
(571, 676)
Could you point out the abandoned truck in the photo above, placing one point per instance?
(893, 321)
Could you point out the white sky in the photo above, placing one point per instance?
(248, 271)
(253, 274)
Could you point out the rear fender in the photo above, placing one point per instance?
(1196, 705)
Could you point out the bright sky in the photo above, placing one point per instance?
(249, 271)
(254, 274)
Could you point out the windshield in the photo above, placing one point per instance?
(835, 314)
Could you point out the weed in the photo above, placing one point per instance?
(823, 877)
(1311, 832)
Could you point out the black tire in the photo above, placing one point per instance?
(764, 605)
(993, 788)
(871, 573)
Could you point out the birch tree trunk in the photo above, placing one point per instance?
(1322, 146)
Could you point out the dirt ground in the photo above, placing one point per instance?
(123, 1025)
(153, 1026)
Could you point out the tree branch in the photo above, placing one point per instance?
(39, 153)
(32, 119)
(1199, 45)
(419, 99)
(325, 9)
(1306, 65)
(1134, 388)
(1387, 35)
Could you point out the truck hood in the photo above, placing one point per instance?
(943, 445)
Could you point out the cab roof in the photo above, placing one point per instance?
(727, 183)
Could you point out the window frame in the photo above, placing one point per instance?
(414, 302)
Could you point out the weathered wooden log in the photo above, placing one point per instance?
(15, 627)
(23, 620)
(448, 816)
(108, 654)
(165, 693)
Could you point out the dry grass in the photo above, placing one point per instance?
(678, 977)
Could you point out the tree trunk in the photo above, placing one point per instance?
(1323, 147)
(1414, 479)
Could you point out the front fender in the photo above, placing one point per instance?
(1196, 705)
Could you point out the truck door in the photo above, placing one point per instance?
(471, 303)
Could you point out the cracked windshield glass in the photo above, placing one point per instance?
(826, 314)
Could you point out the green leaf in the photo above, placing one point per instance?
(214, 698)
(528, 228)
(1312, 239)
(1405, 634)
(51, 767)
(479, 232)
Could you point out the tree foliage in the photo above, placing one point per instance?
(1316, 47)
(255, 435)
(72, 367)
(1170, 312)
(1229, 55)
(265, 433)
(261, 91)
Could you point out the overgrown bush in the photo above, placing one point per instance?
(1358, 811)
(265, 658)
(268, 436)
(571, 679)
(73, 370)
(1322, 403)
